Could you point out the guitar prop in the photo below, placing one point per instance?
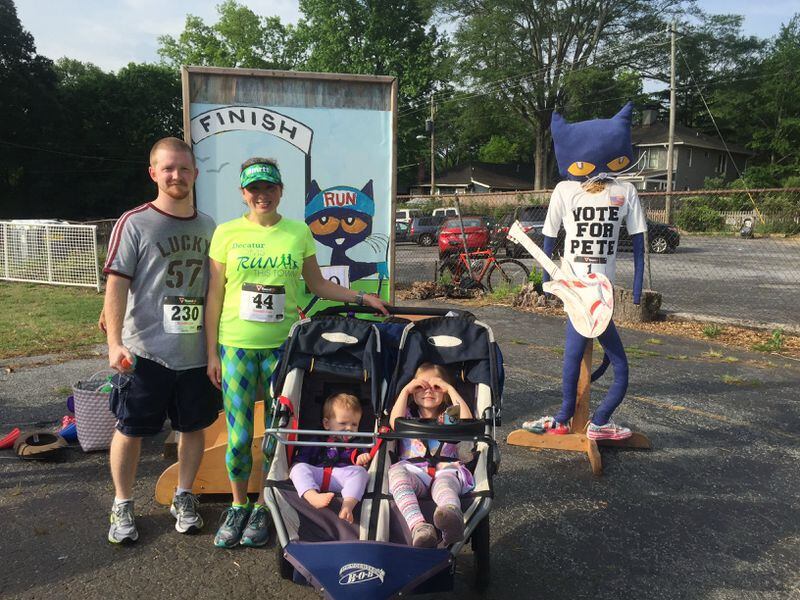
(588, 300)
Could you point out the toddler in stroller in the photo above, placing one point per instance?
(430, 466)
(334, 469)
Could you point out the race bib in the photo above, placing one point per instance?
(262, 303)
(182, 314)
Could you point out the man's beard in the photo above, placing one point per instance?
(177, 192)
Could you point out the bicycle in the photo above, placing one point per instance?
(467, 270)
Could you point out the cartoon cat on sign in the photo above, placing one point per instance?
(341, 218)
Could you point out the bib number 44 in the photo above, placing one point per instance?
(262, 303)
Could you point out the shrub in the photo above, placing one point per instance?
(699, 218)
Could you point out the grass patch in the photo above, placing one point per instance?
(712, 331)
(654, 341)
(740, 381)
(677, 356)
(44, 319)
(636, 352)
(773, 344)
(503, 294)
(730, 359)
(712, 354)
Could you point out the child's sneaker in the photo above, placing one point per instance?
(609, 431)
(450, 521)
(546, 425)
(424, 536)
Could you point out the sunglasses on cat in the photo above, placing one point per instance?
(328, 224)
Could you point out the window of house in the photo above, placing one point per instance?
(652, 159)
(722, 164)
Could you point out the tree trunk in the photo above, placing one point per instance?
(540, 156)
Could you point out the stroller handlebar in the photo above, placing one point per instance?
(392, 310)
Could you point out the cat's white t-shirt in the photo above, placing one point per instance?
(592, 223)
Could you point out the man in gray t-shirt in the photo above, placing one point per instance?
(157, 270)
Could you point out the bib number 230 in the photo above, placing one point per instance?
(183, 314)
(262, 303)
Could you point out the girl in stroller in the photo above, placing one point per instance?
(444, 477)
(341, 414)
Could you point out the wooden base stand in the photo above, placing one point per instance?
(212, 476)
(577, 441)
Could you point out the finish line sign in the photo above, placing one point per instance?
(251, 118)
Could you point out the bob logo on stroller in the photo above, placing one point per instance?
(359, 573)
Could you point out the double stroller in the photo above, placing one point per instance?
(330, 353)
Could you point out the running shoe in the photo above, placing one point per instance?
(123, 525)
(609, 431)
(233, 521)
(256, 533)
(546, 425)
(184, 509)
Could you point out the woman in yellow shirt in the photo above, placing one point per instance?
(256, 262)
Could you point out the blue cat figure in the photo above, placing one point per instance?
(340, 218)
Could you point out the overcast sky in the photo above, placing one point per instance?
(112, 33)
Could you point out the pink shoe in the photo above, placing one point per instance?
(609, 431)
(546, 425)
(450, 521)
(424, 536)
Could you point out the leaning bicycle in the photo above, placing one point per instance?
(481, 269)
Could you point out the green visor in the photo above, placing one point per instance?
(260, 172)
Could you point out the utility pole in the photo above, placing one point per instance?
(432, 131)
(671, 139)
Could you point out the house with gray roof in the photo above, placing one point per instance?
(478, 177)
(696, 157)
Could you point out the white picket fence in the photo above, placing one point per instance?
(49, 252)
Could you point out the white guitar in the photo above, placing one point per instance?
(588, 300)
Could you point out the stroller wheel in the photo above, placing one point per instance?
(480, 550)
(285, 568)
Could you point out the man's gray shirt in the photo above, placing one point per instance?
(166, 260)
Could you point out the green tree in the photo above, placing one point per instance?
(381, 37)
(762, 109)
(240, 38)
(27, 97)
(523, 52)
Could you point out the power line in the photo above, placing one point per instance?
(73, 154)
(607, 53)
(492, 86)
(722, 139)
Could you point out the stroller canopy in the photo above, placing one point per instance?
(462, 344)
(334, 345)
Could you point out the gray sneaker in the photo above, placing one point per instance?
(123, 526)
(184, 509)
(233, 521)
(256, 534)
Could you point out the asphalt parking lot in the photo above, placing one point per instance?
(750, 280)
(711, 512)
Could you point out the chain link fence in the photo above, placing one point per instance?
(49, 252)
(728, 254)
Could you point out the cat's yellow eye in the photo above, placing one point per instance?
(619, 163)
(580, 169)
(324, 225)
(353, 225)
